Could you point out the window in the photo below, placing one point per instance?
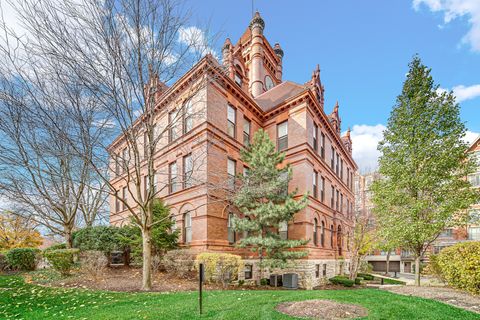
(332, 198)
(145, 144)
(238, 79)
(341, 202)
(322, 235)
(332, 160)
(117, 202)
(317, 271)
(337, 202)
(474, 233)
(231, 170)
(341, 169)
(125, 160)
(322, 189)
(246, 131)
(315, 227)
(337, 163)
(314, 184)
(124, 197)
(232, 120)
(187, 117)
(268, 83)
(331, 235)
(315, 137)
(231, 231)
(324, 271)
(339, 240)
(447, 233)
(348, 177)
(173, 132)
(172, 177)
(282, 136)
(474, 179)
(322, 146)
(117, 165)
(187, 227)
(248, 271)
(187, 171)
(283, 230)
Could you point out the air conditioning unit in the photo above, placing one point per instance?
(290, 281)
(276, 280)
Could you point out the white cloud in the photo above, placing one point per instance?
(197, 40)
(365, 139)
(470, 137)
(463, 93)
(453, 9)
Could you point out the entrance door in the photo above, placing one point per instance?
(408, 267)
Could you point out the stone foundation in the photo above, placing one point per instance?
(306, 270)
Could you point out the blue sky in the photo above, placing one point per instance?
(363, 48)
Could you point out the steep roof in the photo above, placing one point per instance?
(278, 94)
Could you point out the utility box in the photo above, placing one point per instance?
(275, 280)
(290, 281)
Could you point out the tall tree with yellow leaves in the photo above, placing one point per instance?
(17, 232)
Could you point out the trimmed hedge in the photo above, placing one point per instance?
(342, 280)
(459, 266)
(3, 262)
(365, 276)
(180, 262)
(23, 259)
(56, 247)
(61, 260)
(220, 267)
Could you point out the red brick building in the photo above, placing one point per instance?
(244, 93)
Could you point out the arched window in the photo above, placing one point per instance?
(331, 235)
(187, 227)
(283, 230)
(322, 235)
(231, 230)
(315, 227)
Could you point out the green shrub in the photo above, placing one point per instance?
(220, 267)
(365, 276)
(393, 281)
(459, 266)
(56, 247)
(24, 259)
(61, 260)
(3, 262)
(98, 238)
(180, 262)
(358, 280)
(264, 282)
(342, 280)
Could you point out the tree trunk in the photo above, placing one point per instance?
(68, 237)
(417, 270)
(147, 260)
(388, 263)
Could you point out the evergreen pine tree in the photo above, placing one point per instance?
(423, 165)
(265, 203)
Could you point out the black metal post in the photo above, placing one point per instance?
(200, 283)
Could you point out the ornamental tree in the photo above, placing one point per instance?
(266, 204)
(18, 232)
(423, 165)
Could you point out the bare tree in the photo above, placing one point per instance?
(123, 54)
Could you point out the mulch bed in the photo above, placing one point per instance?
(322, 309)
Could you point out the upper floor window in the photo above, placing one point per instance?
(341, 202)
(268, 83)
(341, 169)
(246, 131)
(314, 184)
(322, 146)
(124, 198)
(337, 202)
(322, 234)
(283, 230)
(187, 170)
(117, 165)
(315, 137)
(232, 120)
(238, 79)
(188, 117)
(332, 198)
(117, 202)
(187, 227)
(282, 136)
(315, 229)
(332, 160)
(348, 177)
(173, 177)
(322, 189)
(231, 230)
(173, 126)
(232, 172)
(337, 171)
(125, 160)
(331, 235)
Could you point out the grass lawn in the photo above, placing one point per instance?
(19, 300)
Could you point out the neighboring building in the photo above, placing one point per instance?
(402, 260)
(248, 93)
(471, 231)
